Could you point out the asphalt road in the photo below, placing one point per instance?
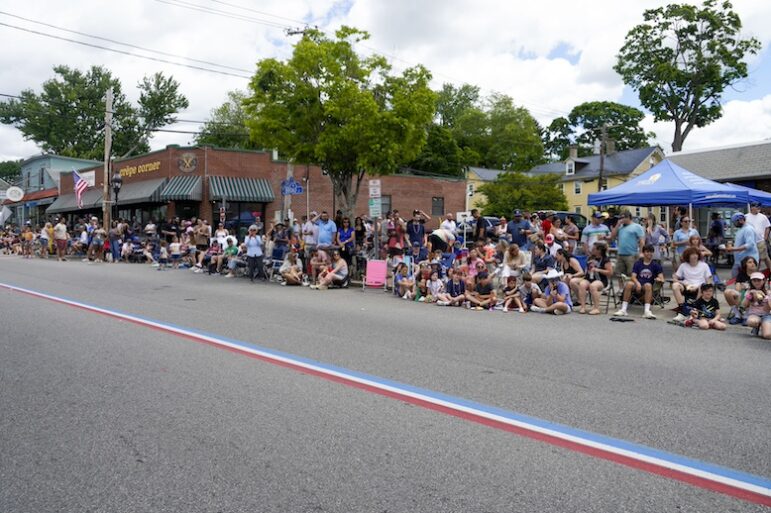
(98, 414)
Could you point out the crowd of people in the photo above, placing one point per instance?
(531, 263)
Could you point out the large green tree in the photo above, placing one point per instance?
(441, 155)
(226, 126)
(518, 191)
(583, 127)
(10, 169)
(681, 59)
(452, 102)
(67, 116)
(348, 113)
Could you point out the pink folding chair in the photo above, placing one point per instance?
(375, 275)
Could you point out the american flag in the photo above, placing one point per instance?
(80, 187)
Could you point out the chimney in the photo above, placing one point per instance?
(274, 155)
(610, 147)
(573, 152)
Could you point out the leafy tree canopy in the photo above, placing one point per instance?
(516, 190)
(67, 116)
(583, 126)
(226, 127)
(10, 169)
(681, 59)
(453, 101)
(330, 106)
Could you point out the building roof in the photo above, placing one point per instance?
(486, 175)
(60, 157)
(618, 163)
(745, 161)
(4, 185)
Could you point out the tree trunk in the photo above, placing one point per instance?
(346, 190)
(677, 141)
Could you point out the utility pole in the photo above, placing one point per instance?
(106, 203)
(603, 149)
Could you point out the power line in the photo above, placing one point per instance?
(121, 43)
(224, 14)
(147, 57)
(258, 12)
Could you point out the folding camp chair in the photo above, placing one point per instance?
(276, 260)
(375, 275)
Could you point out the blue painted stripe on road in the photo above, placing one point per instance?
(735, 475)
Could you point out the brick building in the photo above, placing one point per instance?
(194, 181)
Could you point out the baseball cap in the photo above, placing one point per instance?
(549, 238)
(757, 276)
(517, 213)
(737, 217)
(597, 215)
(416, 244)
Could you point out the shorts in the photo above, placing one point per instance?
(765, 318)
(97, 242)
(437, 243)
(625, 264)
(762, 251)
(174, 258)
(61, 244)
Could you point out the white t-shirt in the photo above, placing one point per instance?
(310, 233)
(449, 225)
(759, 223)
(693, 275)
(175, 248)
(553, 249)
(60, 231)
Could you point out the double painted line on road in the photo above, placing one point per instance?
(738, 484)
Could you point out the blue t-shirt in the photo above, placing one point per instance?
(456, 289)
(680, 236)
(629, 237)
(562, 290)
(646, 273)
(327, 232)
(745, 236)
(544, 262)
(514, 227)
(416, 231)
(345, 235)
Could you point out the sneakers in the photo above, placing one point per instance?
(505, 308)
(422, 299)
(649, 315)
(620, 313)
(442, 303)
(680, 318)
(229, 276)
(478, 308)
(537, 309)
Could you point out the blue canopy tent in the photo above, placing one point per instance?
(756, 196)
(666, 183)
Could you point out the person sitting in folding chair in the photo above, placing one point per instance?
(599, 271)
(690, 276)
(647, 274)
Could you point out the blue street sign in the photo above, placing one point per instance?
(290, 187)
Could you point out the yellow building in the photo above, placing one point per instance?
(580, 175)
(476, 177)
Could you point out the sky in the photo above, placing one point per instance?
(549, 56)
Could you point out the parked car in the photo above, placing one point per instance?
(468, 225)
(580, 220)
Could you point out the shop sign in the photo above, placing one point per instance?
(187, 162)
(129, 171)
(14, 194)
(89, 177)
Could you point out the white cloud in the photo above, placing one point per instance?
(501, 46)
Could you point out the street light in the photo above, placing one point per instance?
(117, 183)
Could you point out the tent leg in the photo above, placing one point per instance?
(690, 213)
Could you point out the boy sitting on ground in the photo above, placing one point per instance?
(705, 312)
(511, 295)
(483, 295)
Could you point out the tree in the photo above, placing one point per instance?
(583, 124)
(328, 105)
(515, 140)
(681, 60)
(441, 155)
(518, 191)
(452, 102)
(226, 127)
(67, 117)
(10, 169)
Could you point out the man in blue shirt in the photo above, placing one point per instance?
(744, 242)
(519, 229)
(327, 230)
(631, 237)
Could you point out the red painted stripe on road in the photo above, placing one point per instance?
(649, 467)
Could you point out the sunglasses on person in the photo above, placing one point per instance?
(685, 221)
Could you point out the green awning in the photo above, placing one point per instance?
(146, 191)
(229, 188)
(183, 188)
(92, 198)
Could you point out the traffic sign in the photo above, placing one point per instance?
(291, 187)
(222, 214)
(375, 208)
